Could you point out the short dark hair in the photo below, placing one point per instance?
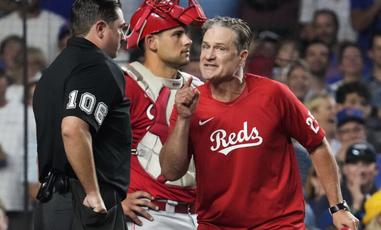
(239, 26)
(311, 43)
(352, 87)
(329, 13)
(85, 13)
(9, 39)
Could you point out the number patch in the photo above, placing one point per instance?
(310, 121)
(87, 104)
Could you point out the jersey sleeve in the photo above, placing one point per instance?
(89, 94)
(297, 120)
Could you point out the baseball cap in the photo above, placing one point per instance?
(372, 207)
(349, 114)
(363, 151)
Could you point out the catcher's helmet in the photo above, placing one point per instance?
(154, 16)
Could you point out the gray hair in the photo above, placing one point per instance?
(239, 26)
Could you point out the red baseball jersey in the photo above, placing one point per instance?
(246, 170)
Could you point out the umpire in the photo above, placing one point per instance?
(83, 125)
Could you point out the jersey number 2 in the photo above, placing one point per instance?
(312, 123)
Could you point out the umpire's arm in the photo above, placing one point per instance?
(78, 147)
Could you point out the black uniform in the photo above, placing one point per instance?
(83, 82)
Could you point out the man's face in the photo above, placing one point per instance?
(299, 82)
(325, 28)
(317, 57)
(360, 172)
(219, 57)
(375, 51)
(114, 35)
(355, 101)
(351, 62)
(173, 46)
(325, 114)
(351, 132)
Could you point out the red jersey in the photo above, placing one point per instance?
(152, 101)
(246, 170)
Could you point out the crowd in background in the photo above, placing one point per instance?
(327, 51)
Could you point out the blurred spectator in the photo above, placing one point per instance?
(4, 82)
(323, 108)
(350, 129)
(372, 218)
(63, 35)
(275, 15)
(365, 18)
(316, 54)
(261, 57)
(7, 6)
(287, 52)
(298, 78)
(36, 63)
(357, 95)
(10, 50)
(316, 199)
(350, 64)
(11, 189)
(359, 173)
(354, 95)
(43, 27)
(340, 7)
(375, 55)
(325, 26)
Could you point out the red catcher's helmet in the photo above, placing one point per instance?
(154, 16)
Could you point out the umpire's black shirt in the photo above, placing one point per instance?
(84, 82)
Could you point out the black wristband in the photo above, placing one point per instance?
(340, 206)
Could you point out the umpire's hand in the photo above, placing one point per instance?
(95, 202)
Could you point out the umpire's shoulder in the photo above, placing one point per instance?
(196, 82)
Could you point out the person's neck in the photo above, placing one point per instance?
(351, 78)
(160, 69)
(227, 90)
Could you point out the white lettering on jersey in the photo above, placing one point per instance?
(149, 114)
(312, 123)
(87, 103)
(224, 143)
(72, 98)
(100, 112)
